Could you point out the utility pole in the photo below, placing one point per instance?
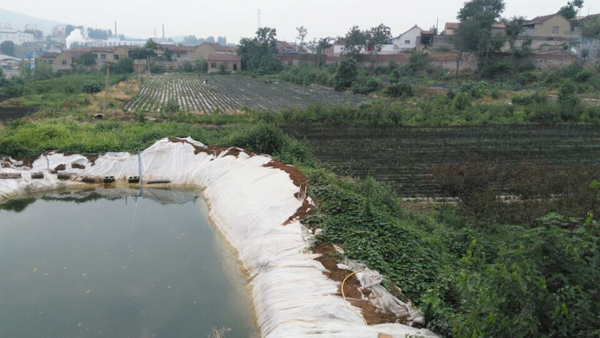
(106, 86)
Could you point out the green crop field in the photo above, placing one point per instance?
(404, 157)
(229, 93)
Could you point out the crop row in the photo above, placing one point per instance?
(405, 157)
(206, 93)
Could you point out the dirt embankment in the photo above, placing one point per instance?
(329, 258)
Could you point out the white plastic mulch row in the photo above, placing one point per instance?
(249, 203)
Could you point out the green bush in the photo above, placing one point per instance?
(346, 74)
(400, 90)
(539, 97)
(92, 87)
(461, 101)
(172, 106)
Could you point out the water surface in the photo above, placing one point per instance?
(107, 264)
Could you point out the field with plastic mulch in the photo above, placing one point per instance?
(229, 93)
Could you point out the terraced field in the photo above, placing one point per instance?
(405, 157)
(229, 93)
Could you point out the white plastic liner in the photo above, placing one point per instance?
(249, 203)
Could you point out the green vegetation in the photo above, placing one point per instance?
(479, 268)
(56, 94)
(259, 53)
(7, 48)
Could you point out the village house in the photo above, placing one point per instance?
(549, 26)
(206, 49)
(178, 53)
(450, 28)
(231, 62)
(408, 39)
(65, 60)
(110, 54)
(284, 47)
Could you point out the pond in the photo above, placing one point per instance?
(106, 263)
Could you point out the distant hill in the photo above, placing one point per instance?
(18, 21)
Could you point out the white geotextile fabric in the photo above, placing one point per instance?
(249, 204)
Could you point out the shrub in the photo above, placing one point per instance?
(400, 90)
(188, 66)
(567, 96)
(172, 106)
(346, 74)
(262, 138)
(92, 87)
(539, 97)
(461, 101)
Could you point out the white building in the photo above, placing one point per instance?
(18, 38)
(408, 39)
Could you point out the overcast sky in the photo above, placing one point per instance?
(238, 18)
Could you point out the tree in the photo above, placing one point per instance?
(520, 55)
(152, 45)
(590, 34)
(302, 32)
(123, 66)
(8, 48)
(190, 40)
(475, 31)
(259, 54)
(321, 46)
(354, 41)
(346, 73)
(379, 36)
(87, 59)
(568, 11)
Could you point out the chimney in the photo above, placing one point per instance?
(163, 31)
(116, 33)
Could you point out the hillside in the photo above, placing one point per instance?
(18, 21)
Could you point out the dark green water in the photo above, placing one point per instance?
(83, 264)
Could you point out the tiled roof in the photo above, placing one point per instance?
(452, 25)
(541, 19)
(103, 49)
(220, 48)
(224, 57)
(179, 49)
(50, 55)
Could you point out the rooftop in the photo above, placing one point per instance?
(220, 48)
(224, 57)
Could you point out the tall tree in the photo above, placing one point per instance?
(321, 46)
(568, 11)
(354, 41)
(379, 36)
(302, 32)
(475, 31)
(190, 40)
(8, 48)
(259, 54)
(590, 36)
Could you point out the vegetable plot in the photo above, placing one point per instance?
(404, 157)
(229, 93)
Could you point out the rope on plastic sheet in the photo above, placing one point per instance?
(344, 296)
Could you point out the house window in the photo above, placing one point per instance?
(64, 62)
(213, 65)
(103, 56)
(50, 61)
(554, 30)
(407, 42)
(116, 57)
